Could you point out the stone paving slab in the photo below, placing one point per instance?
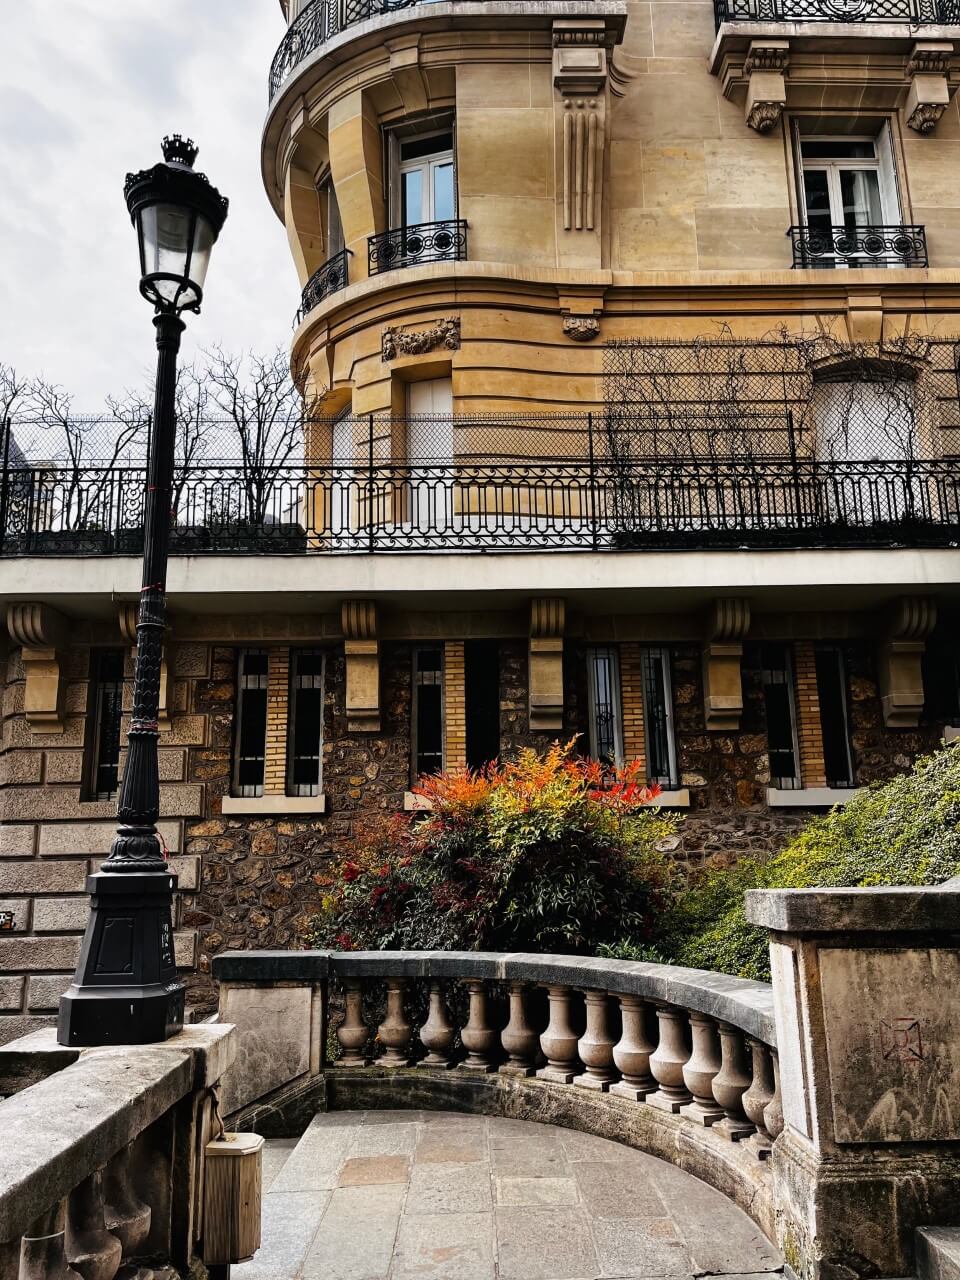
(410, 1195)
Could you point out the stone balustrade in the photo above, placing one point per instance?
(101, 1154)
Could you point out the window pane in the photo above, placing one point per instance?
(419, 148)
(428, 700)
(603, 687)
(411, 198)
(838, 149)
(658, 716)
(860, 192)
(306, 728)
(832, 696)
(776, 678)
(107, 710)
(251, 735)
(443, 204)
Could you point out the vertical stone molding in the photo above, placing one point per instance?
(766, 66)
(928, 67)
(580, 77)
(362, 650)
(128, 629)
(727, 624)
(900, 659)
(547, 621)
(42, 634)
(865, 986)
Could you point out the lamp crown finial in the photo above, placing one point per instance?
(179, 150)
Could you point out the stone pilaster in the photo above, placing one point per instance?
(900, 657)
(727, 624)
(362, 649)
(547, 620)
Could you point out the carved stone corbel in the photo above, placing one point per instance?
(362, 649)
(41, 633)
(580, 76)
(766, 67)
(547, 621)
(128, 629)
(900, 659)
(581, 328)
(929, 93)
(727, 624)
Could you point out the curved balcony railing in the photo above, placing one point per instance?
(331, 277)
(872, 246)
(411, 246)
(916, 12)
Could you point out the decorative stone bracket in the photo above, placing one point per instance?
(547, 621)
(929, 92)
(766, 66)
(728, 623)
(362, 650)
(900, 658)
(128, 629)
(580, 76)
(42, 634)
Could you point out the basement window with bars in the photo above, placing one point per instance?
(305, 729)
(604, 705)
(106, 710)
(776, 680)
(658, 716)
(832, 695)
(427, 747)
(249, 757)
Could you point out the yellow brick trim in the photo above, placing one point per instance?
(809, 728)
(454, 705)
(631, 701)
(278, 694)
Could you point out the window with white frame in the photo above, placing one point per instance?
(103, 732)
(423, 184)
(305, 723)
(605, 729)
(427, 719)
(250, 738)
(658, 715)
(776, 680)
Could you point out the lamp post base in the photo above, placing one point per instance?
(125, 990)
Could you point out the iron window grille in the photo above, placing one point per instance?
(306, 703)
(658, 716)
(833, 698)
(106, 716)
(250, 751)
(427, 745)
(776, 680)
(605, 710)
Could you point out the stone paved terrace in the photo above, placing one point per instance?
(420, 1195)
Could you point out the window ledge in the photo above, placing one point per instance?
(810, 797)
(678, 799)
(267, 806)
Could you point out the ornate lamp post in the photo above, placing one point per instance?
(125, 989)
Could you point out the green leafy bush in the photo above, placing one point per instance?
(904, 832)
(546, 853)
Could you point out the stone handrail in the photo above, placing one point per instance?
(100, 1158)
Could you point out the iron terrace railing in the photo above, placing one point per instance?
(915, 12)
(333, 275)
(411, 246)
(868, 246)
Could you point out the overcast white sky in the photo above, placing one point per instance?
(87, 90)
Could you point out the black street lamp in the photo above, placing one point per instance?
(125, 989)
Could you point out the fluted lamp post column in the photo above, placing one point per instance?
(125, 989)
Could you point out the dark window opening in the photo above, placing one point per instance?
(834, 721)
(251, 731)
(482, 680)
(776, 678)
(305, 748)
(658, 716)
(106, 708)
(427, 711)
(603, 696)
(941, 681)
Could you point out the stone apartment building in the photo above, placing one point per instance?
(634, 327)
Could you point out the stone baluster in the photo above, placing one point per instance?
(93, 1252)
(595, 1046)
(352, 1033)
(668, 1060)
(559, 1041)
(758, 1097)
(438, 1033)
(396, 1030)
(479, 1038)
(631, 1053)
(43, 1248)
(125, 1214)
(700, 1071)
(518, 1038)
(773, 1111)
(731, 1083)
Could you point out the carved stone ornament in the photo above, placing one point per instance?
(764, 116)
(416, 342)
(581, 328)
(924, 117)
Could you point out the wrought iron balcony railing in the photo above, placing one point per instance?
(332, 276)
(916, 12)
(410, 246)
(874, 246)
(473, 505)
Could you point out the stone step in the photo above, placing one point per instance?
(938, 1253)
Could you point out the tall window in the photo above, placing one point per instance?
(305, 743)
(482, 696)
(251, 724)
(776, 678)
(847, 182)
(604, 706)
(832, 695)
(426, 187)
(427, 710)
(106, 709)
(658, 716)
